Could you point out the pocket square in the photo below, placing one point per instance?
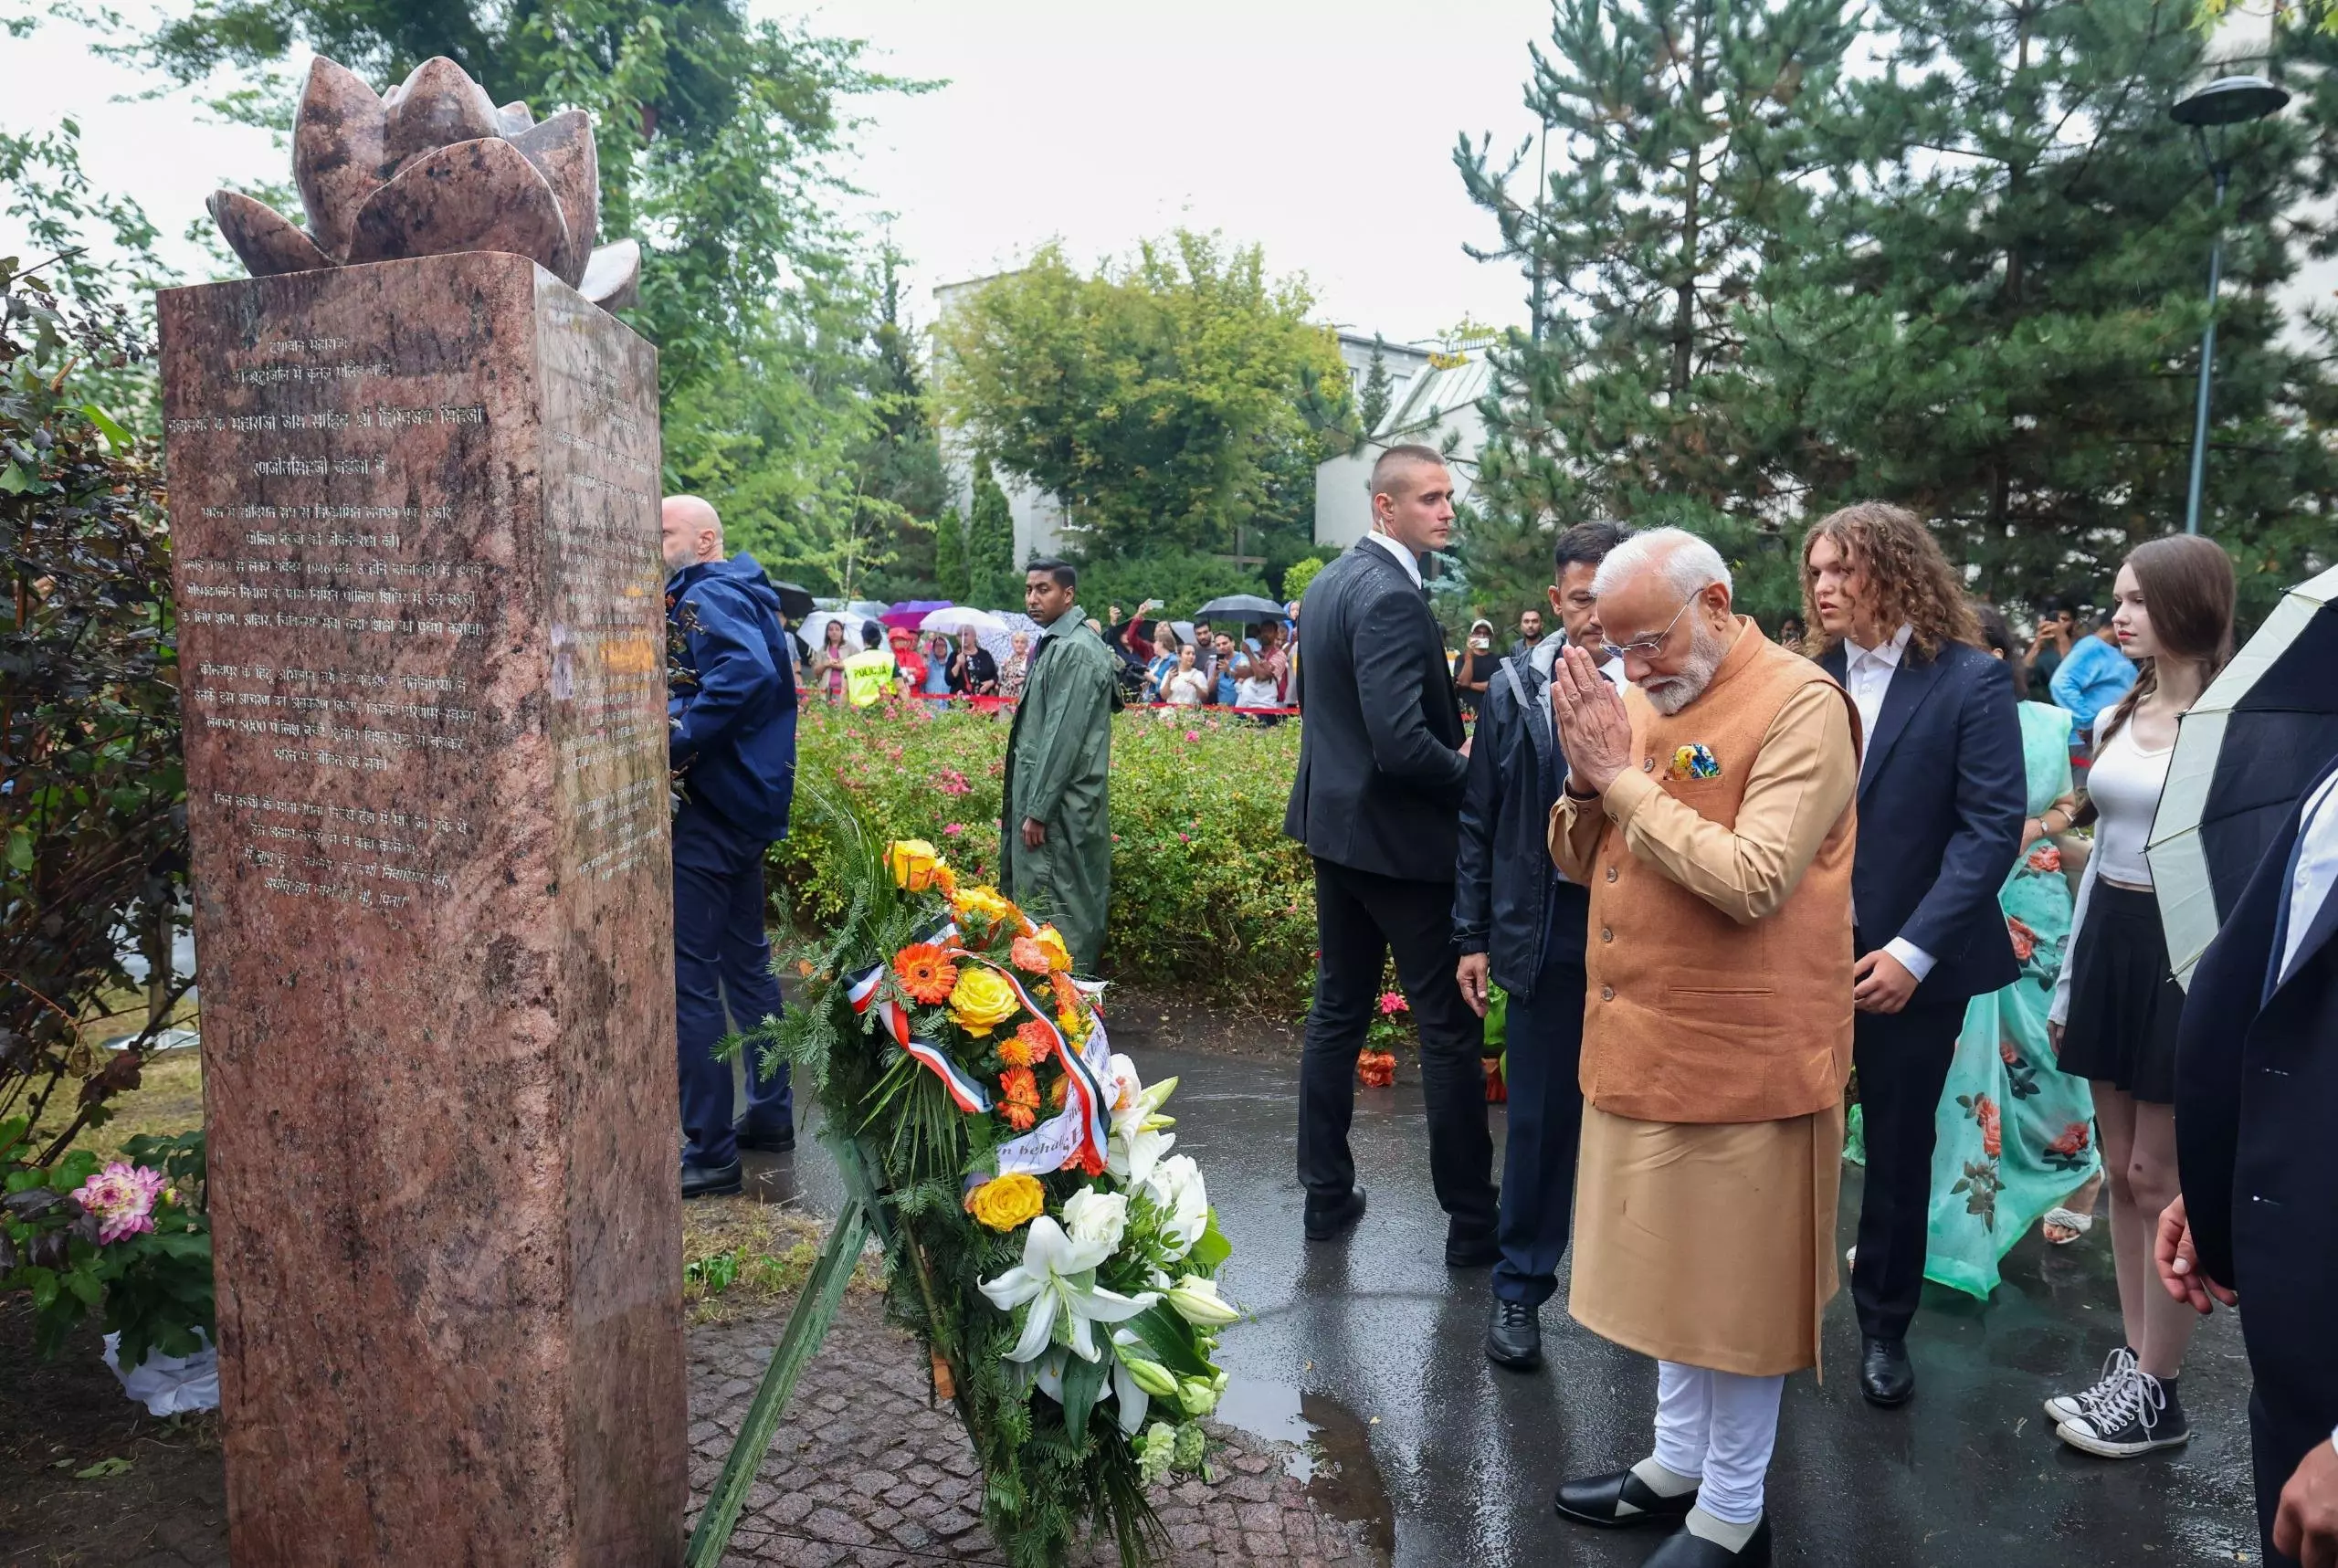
(1696, 762)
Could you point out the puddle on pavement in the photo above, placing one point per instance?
(1327, 1450)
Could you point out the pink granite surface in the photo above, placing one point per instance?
(414, 510)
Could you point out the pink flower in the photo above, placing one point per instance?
(953, 829)
(1184, 838)
(1391, 1003)
(1193, 734)
(950, 781)
(122, 1197)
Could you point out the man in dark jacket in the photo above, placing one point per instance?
(2255, 1102)
(1519, 923)
(731, 704)
(1381, 761)
(1941, 801)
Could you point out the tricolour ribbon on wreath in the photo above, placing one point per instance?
(1082, 1126)
(967, 1094)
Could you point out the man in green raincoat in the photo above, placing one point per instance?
(1055, 840)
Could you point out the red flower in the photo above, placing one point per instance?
(2046, 856)
(1378, 1070)
(2073, 1141)
(2007, 1054)
(1985, 1111)
(1391, 1003)
(2025, 940)
(1496, 1089)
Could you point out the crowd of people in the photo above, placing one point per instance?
(1711, 873)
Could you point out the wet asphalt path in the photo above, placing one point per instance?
(1371, 1350)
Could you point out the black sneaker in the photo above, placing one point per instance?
(1514, 1337)
(2117, 1368)
(2140, 1416)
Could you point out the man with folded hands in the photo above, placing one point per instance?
(1710, 812)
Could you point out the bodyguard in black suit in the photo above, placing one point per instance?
(1941, 801)
(2256, 1147)
(1381, 768)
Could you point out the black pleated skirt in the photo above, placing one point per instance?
(2124, 1002)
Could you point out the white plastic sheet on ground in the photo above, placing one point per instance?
(169, 1384)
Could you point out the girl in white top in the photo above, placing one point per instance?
(1186, 686)
(2117, 1005)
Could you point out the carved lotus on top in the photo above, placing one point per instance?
(430, 168)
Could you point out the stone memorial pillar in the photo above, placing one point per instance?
(422, 645)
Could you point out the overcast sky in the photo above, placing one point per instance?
(1322, 128)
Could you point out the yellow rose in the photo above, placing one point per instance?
(1007, 1201)
(1050, 942)
(987, 902)
(980, 1001)
(912, 861)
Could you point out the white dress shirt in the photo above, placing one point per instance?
(1867, 674)
(2317, 871)
(1405, 558)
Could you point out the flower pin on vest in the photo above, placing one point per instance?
(1696, 762)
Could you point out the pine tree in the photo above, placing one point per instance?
(950, 552)
(1378, 392)
(2003, 331)
(990, 545)
(1680, 139)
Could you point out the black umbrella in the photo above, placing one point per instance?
(795, 601)
(1248, 607)
(2260, 733)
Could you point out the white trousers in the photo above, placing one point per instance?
(1721, 1428)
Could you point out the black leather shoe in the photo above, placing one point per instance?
(1885, 1376)
(1514, 1337)
(777, 1143)
(1682, 1550)
(1324, 1223)
(709, 1181)
(1620, 1501)
(1471, 1250)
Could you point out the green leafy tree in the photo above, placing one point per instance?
(991, 580)
(1681, 143)
(950, 558)
(899, 457)
(2004, 330)
(1153, 397)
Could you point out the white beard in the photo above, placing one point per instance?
(1669, 694)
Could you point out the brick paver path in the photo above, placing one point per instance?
(866, 1472)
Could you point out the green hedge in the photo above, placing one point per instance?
(1206, 891)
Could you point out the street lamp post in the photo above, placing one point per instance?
(2224, 103)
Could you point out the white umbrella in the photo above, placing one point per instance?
(2261, 731)
(815, 630)
(961, 617)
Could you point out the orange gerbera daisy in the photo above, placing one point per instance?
(1019, 1097)
(1057, 1090)
(1029, 956)
(926, 972)
(1019, 1116)
(1067, 995)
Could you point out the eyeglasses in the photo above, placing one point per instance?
(1648, 647)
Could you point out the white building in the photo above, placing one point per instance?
(1433, 391)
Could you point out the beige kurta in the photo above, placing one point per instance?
(1713, 1244)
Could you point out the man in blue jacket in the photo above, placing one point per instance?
(2092, 678)
(1518, 922)
(1942, 803)
(731, 704)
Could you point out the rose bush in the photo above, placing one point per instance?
(1207, 894)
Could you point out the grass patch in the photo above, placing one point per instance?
(168, 1100)
(744, 1258)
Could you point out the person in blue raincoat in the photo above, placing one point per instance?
(731, 704)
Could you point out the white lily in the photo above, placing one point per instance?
(1057, 1279)
(1176, 1185)
(1129, 1391)
(1197, 1300)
